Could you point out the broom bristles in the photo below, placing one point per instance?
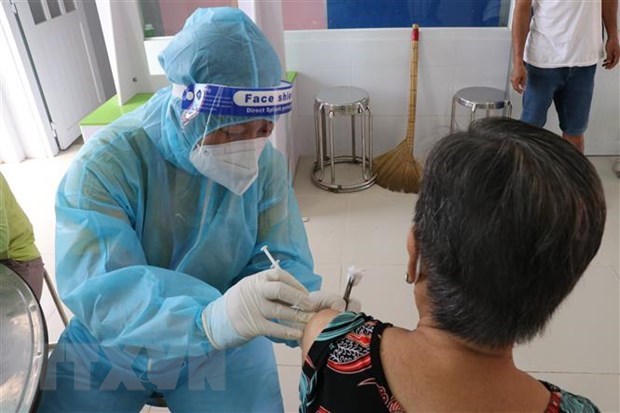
(398, 170)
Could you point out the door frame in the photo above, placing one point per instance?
(42, 141)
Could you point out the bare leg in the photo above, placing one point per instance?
(576, 140)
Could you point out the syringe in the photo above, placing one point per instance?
(274, 262)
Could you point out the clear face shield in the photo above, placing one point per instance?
(233, 125)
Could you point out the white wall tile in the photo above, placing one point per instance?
(379, 52)
(385, 90)
(434, 90)
(487, 54)
(309, 54)
(436, 51)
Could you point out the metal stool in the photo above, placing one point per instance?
(344, 101)
(480, 98)
(57, 303)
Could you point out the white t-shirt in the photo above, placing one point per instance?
(565, 33)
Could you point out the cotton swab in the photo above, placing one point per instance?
(274, 262)
(354, 276)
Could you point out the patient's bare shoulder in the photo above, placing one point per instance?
(314, 328)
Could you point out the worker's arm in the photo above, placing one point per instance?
(520, 29)
(105, 278)
(612, 46)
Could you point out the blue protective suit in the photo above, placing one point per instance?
(144, 242)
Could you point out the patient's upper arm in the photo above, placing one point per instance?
(314, 328)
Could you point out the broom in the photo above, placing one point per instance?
(397, 170)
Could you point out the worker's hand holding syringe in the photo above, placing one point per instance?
(248, 309)
(323, 299)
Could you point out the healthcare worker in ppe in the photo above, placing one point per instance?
(160, 223)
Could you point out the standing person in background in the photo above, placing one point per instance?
(556, 46)
(17, 248)
(161, 221)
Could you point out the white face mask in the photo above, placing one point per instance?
(233, 164)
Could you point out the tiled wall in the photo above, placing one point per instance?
(449, 59)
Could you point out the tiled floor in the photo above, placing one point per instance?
(579, 350)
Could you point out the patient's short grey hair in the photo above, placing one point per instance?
(508, 218)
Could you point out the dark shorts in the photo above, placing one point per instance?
(570, 88)
(30, 271)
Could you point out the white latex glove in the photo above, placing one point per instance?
(245, 311)
(322, 300)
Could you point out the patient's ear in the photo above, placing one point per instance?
(413, 264)
(314, 327)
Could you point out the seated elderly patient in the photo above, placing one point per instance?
(508, 218)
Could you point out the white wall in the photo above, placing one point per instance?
(449, 59)
(99, 48)
(121, 24)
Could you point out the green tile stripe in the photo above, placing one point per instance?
(111, 110)
(290, 76)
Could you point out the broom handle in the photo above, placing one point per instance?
(413, 83)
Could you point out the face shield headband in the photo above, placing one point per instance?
(226, 101)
